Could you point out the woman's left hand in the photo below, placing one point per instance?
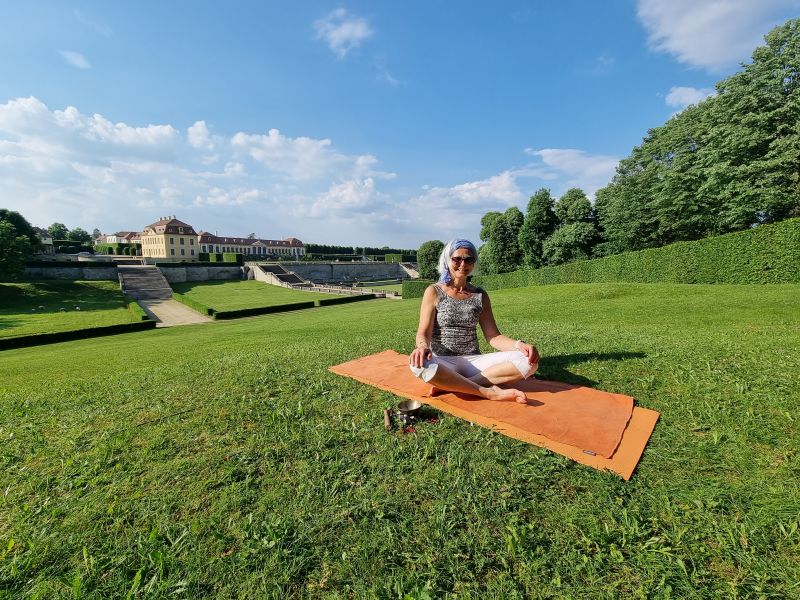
(530, 351)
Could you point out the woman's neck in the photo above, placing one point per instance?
(459, 284)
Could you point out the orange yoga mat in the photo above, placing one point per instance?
(593, 427)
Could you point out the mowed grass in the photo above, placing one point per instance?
(225, 461)
(234, 295)
(36, 307)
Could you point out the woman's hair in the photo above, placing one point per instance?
(444, 258)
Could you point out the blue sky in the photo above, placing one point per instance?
(367, 123)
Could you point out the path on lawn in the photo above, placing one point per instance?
(171, 312)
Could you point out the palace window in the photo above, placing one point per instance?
(171, 240)
(183, 241)
(172, 251)
(183, 252)
(191, 241)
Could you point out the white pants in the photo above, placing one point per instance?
(473, 364)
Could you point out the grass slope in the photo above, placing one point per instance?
(101, 303)
(234, 295)
(225, 460)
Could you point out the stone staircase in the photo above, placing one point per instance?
(411, 269)
(144, 283)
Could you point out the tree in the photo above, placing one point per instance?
(428, 258)
(58, 231)
(570, 242)
(15, 249)
(251, 236)
(79, 235)
(500, 254)
(577, 233)
(22, 227)
(573, 207)
(539, 223)
(96, 233)
(486, 224)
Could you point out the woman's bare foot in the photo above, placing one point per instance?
(497, 393)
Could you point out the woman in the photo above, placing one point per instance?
(447, 354)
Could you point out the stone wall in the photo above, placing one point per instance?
(346, 272)
(73, 273)
(183, 273)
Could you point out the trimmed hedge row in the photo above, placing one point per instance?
(346, 299)
(193, 304)
(766, 254)
(41, 339)
(414, 288)
(193, 264)
(261, 310)
(137, 311)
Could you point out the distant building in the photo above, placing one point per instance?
(170, 238)
(288, 248)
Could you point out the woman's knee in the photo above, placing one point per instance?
(427, 371)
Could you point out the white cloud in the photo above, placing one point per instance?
(198, 136)
(75, 59)
(303, 158)
(573, 168)
(342, 32)
(346, 198)
(681, 97)
(713, 34)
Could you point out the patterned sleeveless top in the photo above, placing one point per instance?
(454, 329)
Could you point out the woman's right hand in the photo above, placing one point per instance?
(419, 355)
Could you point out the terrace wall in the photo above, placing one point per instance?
(182, 274)
(347, 272)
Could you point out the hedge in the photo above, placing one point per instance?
(233, 257)
(136, 310)
(346, 299)
(414, 288)
(41, 339)
(193, 304)
(261, 310)
(766, 254)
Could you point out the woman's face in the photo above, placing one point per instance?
(461, 262)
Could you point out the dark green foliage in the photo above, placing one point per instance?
(573, 207)
(727, 164)
(345, 299)
(203, 257)
(193, 304)
(766, 254)
(570, 242)
(15, 248)
(539, 223)
(118, 249)
(428, 258)
(22, 227)
(500, 231)
(79, 235)
(58, 231)
(415, 288)
(41, 339)
(262, 310)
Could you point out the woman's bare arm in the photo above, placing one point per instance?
(427, 312)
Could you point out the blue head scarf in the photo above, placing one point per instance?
(444, 258)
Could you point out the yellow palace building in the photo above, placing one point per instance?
(170, 238)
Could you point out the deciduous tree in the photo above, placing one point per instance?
(58, 231)
(428, 258)
(539, 223)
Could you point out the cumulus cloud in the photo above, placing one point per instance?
(199, 137)
(712, 35)
(680, 97)
(342, 31)
(75, 59)
(303, 158)
(91, 171)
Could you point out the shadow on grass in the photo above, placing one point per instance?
(555, 367)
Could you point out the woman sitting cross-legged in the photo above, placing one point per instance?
(447, 354)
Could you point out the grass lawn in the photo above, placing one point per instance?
(225, 460)
(233, 295)
(101, 303)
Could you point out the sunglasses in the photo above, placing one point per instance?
(470, 260)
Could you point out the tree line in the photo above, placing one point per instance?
(727, 164)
